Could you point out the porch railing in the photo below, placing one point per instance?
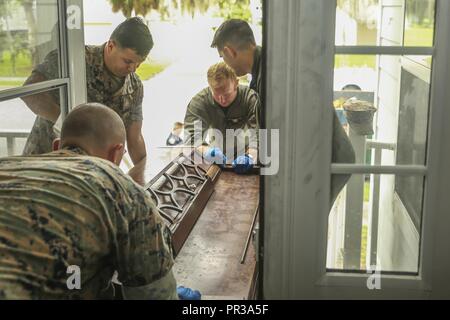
(11, 136)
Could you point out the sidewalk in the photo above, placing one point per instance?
(166, 97)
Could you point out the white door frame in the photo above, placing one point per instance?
(299, 87)
(76, 58)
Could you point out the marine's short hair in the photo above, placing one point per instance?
(134, 34)
(219, 72)
(235, 32)
(94, 125)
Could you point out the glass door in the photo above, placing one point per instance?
(381, 65)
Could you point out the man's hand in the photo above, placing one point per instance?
(138, 153)
(215, 155)
(243, 164)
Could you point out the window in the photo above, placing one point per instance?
(30, 33)
(16, 122)
(382, 80)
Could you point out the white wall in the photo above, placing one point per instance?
(398, 241)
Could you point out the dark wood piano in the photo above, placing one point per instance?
(211, 213)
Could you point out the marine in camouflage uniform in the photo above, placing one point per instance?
(256, 83)
(66, 208)
(122, 95)
(241, 114)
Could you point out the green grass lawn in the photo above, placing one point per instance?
(354, 61)
(364, 228)
(414, 36)
(363, 246)
(418, 37)
(366, 191)
(10, 84)
(23, 65)
(148, 70)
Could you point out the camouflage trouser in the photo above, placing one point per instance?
(18, 290)
(41, 137)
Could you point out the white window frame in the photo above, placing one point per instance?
(72, 83)
(299, 78)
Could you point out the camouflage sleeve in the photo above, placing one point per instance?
(136, 109)
(142, 239)
(252, 119)
(193, 119)
(136, 113)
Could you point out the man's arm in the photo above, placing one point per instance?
(144, 253)
(137, 150)
(45, 105)
(42, 104)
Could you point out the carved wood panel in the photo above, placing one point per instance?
(181, 191)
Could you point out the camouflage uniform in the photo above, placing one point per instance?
(256, 83)
(241, 114)
(123, 96)
(66, 208)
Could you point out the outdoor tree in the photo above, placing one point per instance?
(31, 22)
(357, 9)
(238, 9)
(16, 43)
(131, 8)
(5, 35)
(420, 12)
(193, 6)
(225, 8)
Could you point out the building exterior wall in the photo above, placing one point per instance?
(398, 239)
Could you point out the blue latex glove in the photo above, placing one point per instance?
(215, 155)
(188, 294)
(243, 164)
(173, 140)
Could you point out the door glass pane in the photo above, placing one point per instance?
(16, 123)
(356, 22)
(375, 224)
(383, 104)
(28, 33)
(384, 22)
(419, 23)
